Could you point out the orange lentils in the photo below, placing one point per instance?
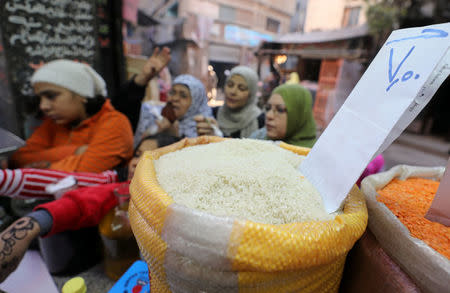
(409, 200)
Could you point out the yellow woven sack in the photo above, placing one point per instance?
(193, 251)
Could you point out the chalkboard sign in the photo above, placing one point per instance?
(35, 32)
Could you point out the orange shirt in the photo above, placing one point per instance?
(107, 134)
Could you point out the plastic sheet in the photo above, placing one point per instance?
(429, 269)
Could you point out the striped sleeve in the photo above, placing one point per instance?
(31, 183)
(110, 146)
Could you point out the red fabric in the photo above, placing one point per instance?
(80, 208)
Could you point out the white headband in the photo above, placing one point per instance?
(74, 76)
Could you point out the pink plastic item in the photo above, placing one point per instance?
(375, 166)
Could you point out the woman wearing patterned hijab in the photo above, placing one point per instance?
(186, 99)
(240, 115)
(289, 117)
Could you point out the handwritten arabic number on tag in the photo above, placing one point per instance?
(406, 76)
(426, 34)
(433, 33)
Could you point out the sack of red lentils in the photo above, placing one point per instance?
(188, 249)
(397, 201)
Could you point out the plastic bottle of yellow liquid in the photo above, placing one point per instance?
(75, 285)
(119, 245)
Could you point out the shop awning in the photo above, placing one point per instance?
(349, 43)
(323, 36)
(317, 53)
(224, 53)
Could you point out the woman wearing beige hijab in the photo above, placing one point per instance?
(239, 116)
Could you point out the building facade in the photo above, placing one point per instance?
(325, 15)
(217, 33)
(327, 53)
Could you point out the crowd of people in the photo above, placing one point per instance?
(99, 140)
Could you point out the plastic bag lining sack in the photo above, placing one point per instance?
(428, 268)
(192, 251)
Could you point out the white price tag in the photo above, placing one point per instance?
(399, 82)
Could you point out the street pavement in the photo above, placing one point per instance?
(417, 150)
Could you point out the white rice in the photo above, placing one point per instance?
(243, 178)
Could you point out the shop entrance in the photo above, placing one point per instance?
(220, 68)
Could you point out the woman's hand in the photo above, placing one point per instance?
(204, 125)
(14, 242)
(153, 66)
(163, 124)
(38, 165)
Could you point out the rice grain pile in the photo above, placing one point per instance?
(243, 178)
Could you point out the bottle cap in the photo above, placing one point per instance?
(74, 285)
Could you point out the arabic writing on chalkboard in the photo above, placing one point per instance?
(395, 77)
(40, 31)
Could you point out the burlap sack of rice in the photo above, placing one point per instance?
(428, 268)
(188, 250)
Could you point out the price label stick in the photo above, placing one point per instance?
(397, 85)
(440, 207)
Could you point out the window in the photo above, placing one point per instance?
(272, 25)
(351, 16)
(173, 10)
(227, 13)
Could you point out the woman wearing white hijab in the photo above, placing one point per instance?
(81, 131)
